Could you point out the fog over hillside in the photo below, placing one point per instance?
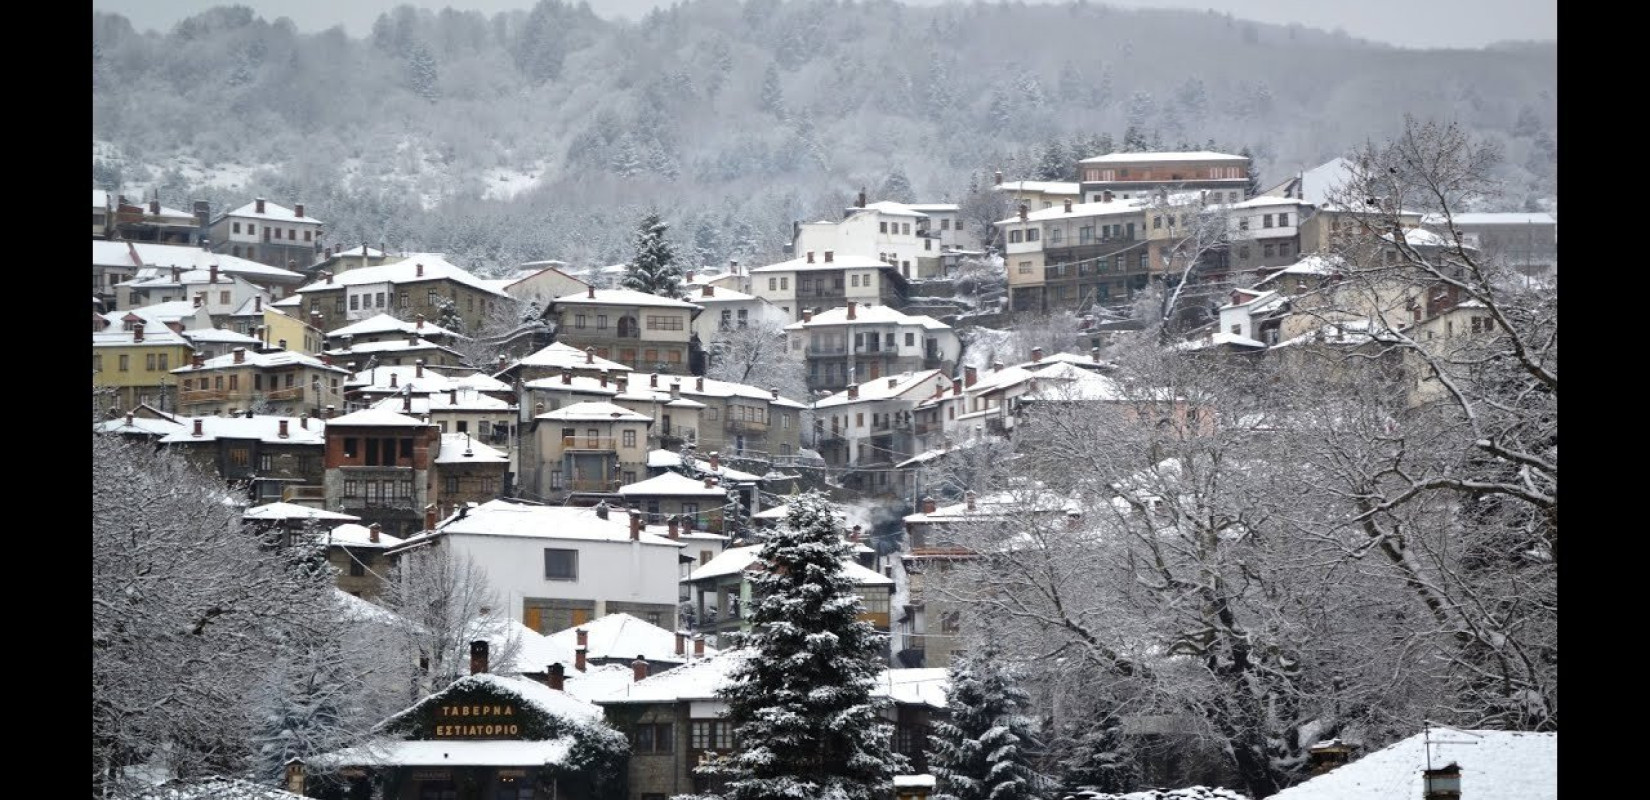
(548, 133)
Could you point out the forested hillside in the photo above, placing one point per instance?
(549, 133)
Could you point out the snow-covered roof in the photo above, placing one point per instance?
(384, 323)
(595, 412)
(397, 378)
(997, 379)
(1136, 158)
(735, 560)
(504, 518)
(460, 448)
(1310, 265)
(451, 752)
(100, 198)
(162, 257)
(940, 208)
(1081, 210)
(720, 294)
(558, 354)
(839, 261)
(351, 534)
(1420, 237)
(1318, 184)
(620, 297)
(388, 346)
(699, 679)
(865, 314)
(140, 424)
(671, 484)
(482, 382)
(441, 400)
(1505, 765)
(669, 459)
(1341, 332)
(265, 428)
(996, 506)
(272, 211)
(407, 270)
(1263, 201)
(1067, 381)
(378, 417)
(914, 781)
(710, 387)
(273, 511)
(924, 686)
(214, 788)
(1040, 187)
(252, 358)
(1255, 300)
(880, 388)
(776, 513)
(1220, 338)
(219, 336)
(622, 636)
(1493, 218)
(892, 209)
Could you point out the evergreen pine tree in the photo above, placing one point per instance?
(1253, 187)
(805, 720)
(897, 188)
(980, 752)
(654, 269)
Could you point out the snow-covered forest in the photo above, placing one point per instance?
(548, 133)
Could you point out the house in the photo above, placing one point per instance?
(1525, 242)
(721, 592)
(557, 567)
(292, 520)
(118, 262)
(745, 422)
(458, 410)
(1444, 763)
(410, 349)
(1327, 223)
(341, 260)
(292, 383)
(1265, 233)
(700, 505)
(359, 554)
(589, 447)
(1222, 176)
(102, 214)
(420, 283)
(870, 425)
(857, 344)
(132, 363)
(387, 328)
(1037, 195)
(728, 310)
(822, 279)
(676, 721)
(636, 329)
(1075, 255)
(556, 358)
(220, 294)
(378, 467)
(621, 638)
(470, 471)
(268, 455)
(267, 233)
(900, 235)
(511, 736)
(153, 223)
(539, 283)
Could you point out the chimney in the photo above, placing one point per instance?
(707, 291)
(128, 419)
(503, 361)
(928, 505)
(592, 291)
(373, 530)
(392, 380)
(259, 208)
(452, 396)
(583, 642)
(200, 298)
(968, 497)
(601, 510)
(419, 273)
(1443, 783)
(807, 315)
(970, 375)
(698, 647)
(332, 411)
(638, 668)
(258, 303)
(1094, 353)
(699, 384)
(810, 256)
(154, 206)
(578, 654)
(406, 402)
(240, 355)
(622, 382)
(715, 461)
(853, 391)
(1073, 520)
(198, 432)
(557, 676)
(653, 380)
(733, 265)
(675, 390)
(412, 340)
(604, 379)
(325, 358)
(418, 368)
(420, 323)
(429, 513)
(956, 388)
(681, 643)
(774, 391)
(478, 657)
(860, 203)
(851, 310)
(996, 366)
(1024, 212)
(853, 535)
(303, 421)
(590, 352)
(328, 274)
(635, 526)
(212, 273)
(997, 178)
(1068, 206)
(828, 256)
(566, 376)
(892, 381)
(709, 482)
(283, 434)
(137, 332)
(674, 532)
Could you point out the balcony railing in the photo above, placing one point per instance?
(287, 393)
(929, 427)
(207, 395)
(590, 485)
(746, 426)
(589, 443)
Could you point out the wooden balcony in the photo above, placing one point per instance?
(589, 443)
(207, 396)
(287, 393)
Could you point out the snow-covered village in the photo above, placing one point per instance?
(556, 405)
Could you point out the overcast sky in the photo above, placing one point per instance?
(1408, 23)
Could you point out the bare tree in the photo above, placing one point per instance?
(756, 356)
(444, 601)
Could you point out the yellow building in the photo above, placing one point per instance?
(132, 364)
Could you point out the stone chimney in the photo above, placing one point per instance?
(996, 366)
(807, 315)
(154, 206)
(601, 510)
(851, 310)
(853, 391)
(638, 668)
(328, 275)
(675, 533)
(970, 376)
(429, 515)
(579, 657)
(418, 368)
(297, 209)
(829, 256)
(997, 178)
(198, 432)
(566, 376)
(419, 273)
(303, 421)
(332, 411)
(681, 643)
(810, 256)
(969, 497)
(1036, 354)
(137, 332)
(859, 203)
(258, 205)
(604, 379)
(590, 352)
(774, 391)
(675, 390)
(373, 531)
(478, 657)
(557, 677)
(653, 380)
(956, 388)
(893, 381)
(406, 402)
(240, 355)
(715, 461)
(258, 303)
(699, 647)
(591, 291)
(419, 325)
(928, 505)
(212, 273)
(635, 526)
(707, 291)
(283, 433)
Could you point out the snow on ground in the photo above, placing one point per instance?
(223, 175)
(504, 184)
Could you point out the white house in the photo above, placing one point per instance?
(728, 310)
(826, 279)
(858, 343)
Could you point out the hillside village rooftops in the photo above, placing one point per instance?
(938, 208)
(621, 297)
(891, 208)
(865, 314)
(595, 412)
(838, 261)
(880, 388)
(1310, 265)
(265, 428)
(384, 323)
(669, 459)
(351, 534)
(1136, 158)
(672, 484)
(1263, 201)
(378, 418)
(1117, 207)
(285, 511)
(162, 257)
(559, 355)
(1070, 382)
(218, 336)
(622, 636)
(460, 448)
(272, 212)
(250, 358)
(389, 346)
(466, 399)
(414, 268)
(504, 518)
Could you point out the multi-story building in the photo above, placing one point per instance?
(591, 448)
(280, 380)
(856, 344)
(360, 555)
(469, 471)
(220, 294)
(341, 260)
(551, 361)
(827, 280)
(636, 329)
(727, 311)
(1265, 234)
(154, 224)
(378, 467)
(1329, 220)
(116, 262)
(1037, 195)
(696, 505)
(102, 214)
(541, 282)
(722, 590)
(264, 454)
(132, 362)
(870, 427)
(1526, 242)
(267, 233)
(1076, 255)
(900, 235)
(421, 283)
(1223, 178)
(460, 411)
(745, 421)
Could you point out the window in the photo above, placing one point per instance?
(149, 362)
(306, 235)
(1268, 250)
(405, 301)
(1085, 234)
(883, 227)
(354, 302)
(1266, 221)
(945, 224)
(710, 735)
(1054, 236)
(773, 284)
(1144, 264)
(266, 462)
(910, 340)
(630, 439)
(652, 738)
(1243, 252)
(561, 565)
(1015, 236)
(1025, 267)
(357, 563)
(784, 283)
(1283, 220)
(578, 320)
(380, 300)
(853, 280)
(240, 456)
(1283, 249)
(664, 323)
(97, 366)
(1157, 221)
(235, 227)
(905, 228)
(601, 322)
(429, 298)
(452, 484)
(859, 419)
(1031, 234)
(125, 363)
